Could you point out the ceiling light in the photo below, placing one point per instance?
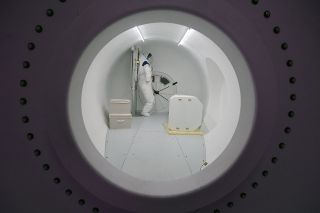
(185, 36)
(139, 32)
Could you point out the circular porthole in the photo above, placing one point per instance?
(200, 67)
(185, 62)
(204, 61)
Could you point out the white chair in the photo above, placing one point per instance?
(185, 113)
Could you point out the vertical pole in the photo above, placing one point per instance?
(136, 80)
(134, 74)
(132, 79)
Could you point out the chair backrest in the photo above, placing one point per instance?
(185, 113)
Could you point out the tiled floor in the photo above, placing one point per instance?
(146, 150)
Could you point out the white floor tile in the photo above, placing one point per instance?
(156, 156)
(118, 145)
(194, 149)
(146, 151)
(154, 122)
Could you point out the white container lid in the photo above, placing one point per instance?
(120, 101)
(113, 115)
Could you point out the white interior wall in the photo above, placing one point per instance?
(166, 31)
(224, 101)
(178, 63)
(118, 82)
(213, 72)
(94, 91)
(217, 86)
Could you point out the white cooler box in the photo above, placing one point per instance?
(120, 106)
(120, 121)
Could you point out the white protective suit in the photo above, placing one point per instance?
(145, 85)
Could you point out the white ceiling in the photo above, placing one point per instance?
(163, 31)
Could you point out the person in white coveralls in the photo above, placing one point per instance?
(145, 84)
